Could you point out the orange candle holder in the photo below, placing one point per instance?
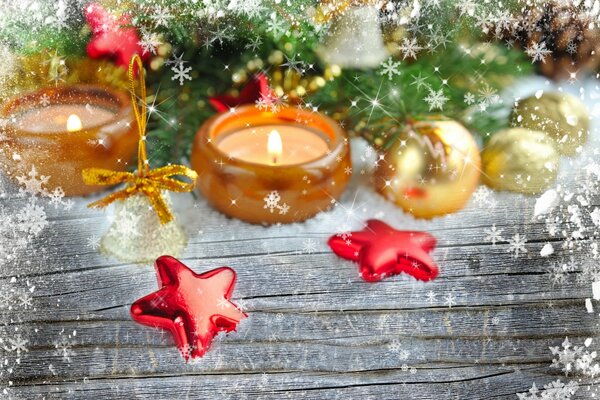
(267, 192)
(40, 131)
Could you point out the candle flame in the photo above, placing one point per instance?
(274, 145)
(73, 123)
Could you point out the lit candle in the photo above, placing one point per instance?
(274, 144)
(61, 117)
(265, 167)
(61, 131)
(275, 147)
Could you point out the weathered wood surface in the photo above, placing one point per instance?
(316, 330)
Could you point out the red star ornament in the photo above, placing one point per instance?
(194, 307)
(112, 37)
(382, 251)
(257, 88)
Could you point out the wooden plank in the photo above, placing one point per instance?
(353, 327)
(294, 287)
(464, 382)
(274, 354)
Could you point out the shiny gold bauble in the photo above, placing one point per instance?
(561, 116)
(431, 169)
(520, 160)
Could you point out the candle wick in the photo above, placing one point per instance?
(274, 160)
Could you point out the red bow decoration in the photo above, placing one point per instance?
(383, 251)
(112, 37)
(257, 88)
(194, 307)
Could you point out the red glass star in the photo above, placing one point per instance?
(112, 37)
(194, 307)
(383, 251)
(257, 88)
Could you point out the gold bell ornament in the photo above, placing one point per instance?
(354, 39)
(431, 168)
(520, 160)
(561, 116)
(143, 227)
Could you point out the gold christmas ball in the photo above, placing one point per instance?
(431, 169)
(520, 160)
(561, 116)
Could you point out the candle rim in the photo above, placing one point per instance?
(325, 138)
(335, 144)
(28, 101)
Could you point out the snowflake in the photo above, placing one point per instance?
(575, 359)
(595, 216)
(25, 300)
(57, 68)
(466, 7)
(277, 26)
(436, 99)
(272, 203)
(469, 98)
(390, 68)
(161, 16)
(571, 360)
(493, 235)
(56, 197)
(33, 184)
(572, 265)
(431, 297)
(68, 204)
(93, 242)
(149, 42)
(293, 64)
(251, 8)
(394, 346)
(44, 100)
(221, 35)
(450, 300)
(488, 95)
(571, 48)
(558, 274)
(538, 52)
(345, 233)
(181, 73)
(19, 227)
(410, 48)
(64, 349)
(482, 195)
(309, 246)
(271, 102)
(18, 344)
(348, 170)
(223, 303)
(419, 81)
(517, 245)
(176, 60)
(283, 209)
(254, 44)
(31, 219)
(555, 390)
(272, 200)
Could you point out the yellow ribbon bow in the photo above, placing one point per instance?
(146, 181)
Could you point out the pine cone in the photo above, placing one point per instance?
(561, 38)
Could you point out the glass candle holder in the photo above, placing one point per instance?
(271, 167)
(62, 130)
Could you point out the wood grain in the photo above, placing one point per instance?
(316, 330)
